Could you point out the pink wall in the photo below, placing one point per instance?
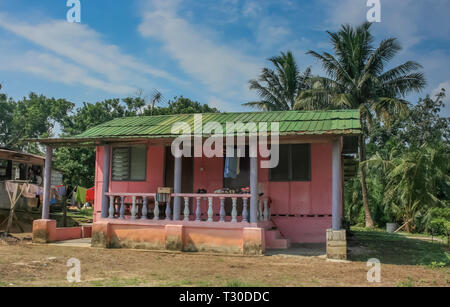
(301, 202)
(208, 174)
(303, 198)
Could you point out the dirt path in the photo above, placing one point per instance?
(37, 265)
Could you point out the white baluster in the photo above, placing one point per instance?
(198, 211)
(186, 209)
(156, 211)
(222, 209)
(210, 209)
(168, 210)
(266, 210)
(133, 208)
(144, 208)
(245, 210)
(111, 207)
(122, 207)
(234, 211)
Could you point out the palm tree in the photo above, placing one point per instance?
(356, 79)
(278, 89)
(413, 179)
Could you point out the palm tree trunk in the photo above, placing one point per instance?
(362, 158)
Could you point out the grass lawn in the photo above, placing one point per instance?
(405, 262)
(399, 249)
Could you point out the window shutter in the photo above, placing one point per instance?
(120, 164)
(281, 172)
(138, 163)
(301, 162)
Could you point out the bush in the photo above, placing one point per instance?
(440, 227)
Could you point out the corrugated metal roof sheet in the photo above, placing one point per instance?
(291, 122)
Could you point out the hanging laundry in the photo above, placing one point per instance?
(90, 195)
(11, 186)
(61, 190)
(30, 191)
(232, 166)
(81, 195)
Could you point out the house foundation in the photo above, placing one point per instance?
(224, 238)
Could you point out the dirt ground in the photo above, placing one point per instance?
(26, 264)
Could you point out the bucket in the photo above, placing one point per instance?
(391, 227)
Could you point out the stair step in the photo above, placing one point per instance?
(274, 240)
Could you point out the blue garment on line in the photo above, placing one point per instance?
(231, 165)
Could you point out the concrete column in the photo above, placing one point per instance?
(254, 190)
(47, 182)
(106, 176)
(177, 188)
(336, 185)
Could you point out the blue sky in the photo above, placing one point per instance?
(202, 49)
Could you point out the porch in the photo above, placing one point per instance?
(200, 224)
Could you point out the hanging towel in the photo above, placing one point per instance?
(81, 195)
(90, 195)
(231, 166)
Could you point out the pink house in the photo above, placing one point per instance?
(217, 202)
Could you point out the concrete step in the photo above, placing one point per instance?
(274, 240)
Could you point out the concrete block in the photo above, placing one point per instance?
(336, 244)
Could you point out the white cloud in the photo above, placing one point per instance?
(80, 50)
(252, 9)
(221, 68)
(55, 69)
(411, 21)
(270, 33)
(221, 105)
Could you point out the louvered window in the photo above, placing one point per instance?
(129, 164)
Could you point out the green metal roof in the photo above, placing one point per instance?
(342, 122)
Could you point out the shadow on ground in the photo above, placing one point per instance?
(396, 249)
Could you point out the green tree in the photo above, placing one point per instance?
(425, 124)
(356, 79)
(413, 179)
(278, 88)
(181, 105)
(32, 117)
(6, 118)
(78, 163)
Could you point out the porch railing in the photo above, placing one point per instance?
(141, 208)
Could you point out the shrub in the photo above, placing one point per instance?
(440, 227)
